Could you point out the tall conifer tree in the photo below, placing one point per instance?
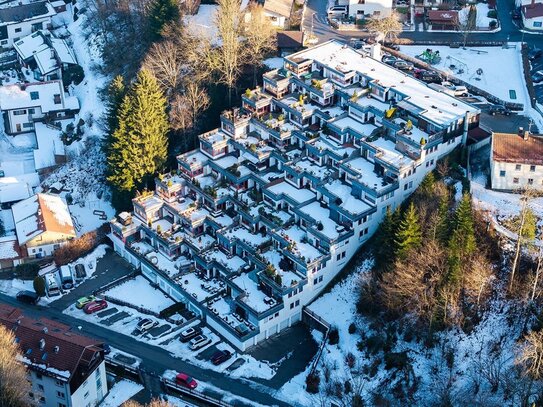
(409, 235)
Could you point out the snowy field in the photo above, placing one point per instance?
(140, 293)
(12, 287)
(121, 392)
(501, 68)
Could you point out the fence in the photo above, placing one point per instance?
(316, 322)
(170, 384)
(117, 282)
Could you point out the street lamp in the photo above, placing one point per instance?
(312, 23)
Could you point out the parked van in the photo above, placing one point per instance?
(51, 284)
(66, 277)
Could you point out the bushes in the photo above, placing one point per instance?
(172, 310)
(352, 328)
(39, 286)
(27, 271)
(312, 382)
(492, 14)
(395, 360)
(78, 247)
(333, 336)
(73, 74)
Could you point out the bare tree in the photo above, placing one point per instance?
(531, 355)
(14, 385)
(478, 278)
(166, 60)
(260, 36)
(387, 28)
(228, 58)
(465, 27)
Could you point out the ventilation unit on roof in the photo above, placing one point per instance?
(56, 349)
(42, 344)
(44, 330)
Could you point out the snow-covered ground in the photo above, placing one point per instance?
(139, 292)
(274, 62)
(12, 287)
(122, 391)
(501, 69)
(482, 20)
(203, 23)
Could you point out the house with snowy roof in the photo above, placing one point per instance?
(257, 221)
(24, 104)
(64, 368)
(10, 254)
(44, 55)
(516, 161)
(18, 19)
(42, 223)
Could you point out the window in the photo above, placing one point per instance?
(343, 255)
(532, 168)
(42, 400)
(18, 30)
(518, 167)
(60, 394)
(515, 180)
(298, 301)
(28, 125)
(34, 95)
(502, 173)
(19, 112)
(320, 281)
(31, 111)
(40, 387)
(86, 395)
(3, 42)
(61, 405)
(56, 99)
(338, 257)
(59, 383)
(538, 23)
(530, 181)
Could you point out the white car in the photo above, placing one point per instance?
(458, 90)
(337, 11)
(146, 324)
(199, 342)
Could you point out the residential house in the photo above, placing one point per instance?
(516, 161)
(289, 41)
(43, 223)
(19, 20)
(443, 19)
(259, 219)
(532, 15)
(24, 104)
(44, 55)
(10, 254)
(278, 12)
(361, 9)
(65, 369)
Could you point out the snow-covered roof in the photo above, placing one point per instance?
(13, 190)
(40, 94)
(9, 249)
(65, 54)
(49, 145)
(46, 60)
(437, 107)
(27, 46)
(24, 12)
(41, 213)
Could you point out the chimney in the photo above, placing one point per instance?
(42, 344)
(532, 5)
(44, 330)
(526, 135)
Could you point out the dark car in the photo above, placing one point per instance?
(190, 333)
(534, 54)
(499, 109)
(537, 76)
(431, 77)
(30, 297)
(389, 59)
(220, 356)
(403, 65)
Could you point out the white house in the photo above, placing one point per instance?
(44, 55)
(278, 11)
(65, 369)
(532, 14)
(23, 104)
(43, 223)
(516, 161)
(360, 9)
(20, 20)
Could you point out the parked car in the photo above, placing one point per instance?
(185, 380)
(430, 77)
(336, 11)
(499, 109)
(403, 65)
(534, 54)
(80, 303)
(30, 297)
(190, 333)
(220, 356)
(66, 277)
(146, 324)
(537, 76)
(458, 90)
(80, 272)
(95, 306)
(389, 59)
(199, 342)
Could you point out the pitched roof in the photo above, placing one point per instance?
(9, 249)
(512, 148)
(290, 39)
(24, 12)
(41, 213)
(281, 7)
(63, 352)
(449, 16)
(533, 10)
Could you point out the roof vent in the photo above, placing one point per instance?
(42, 344)
(454, 104)
(434, 107)
(56, 349)
(44, 330)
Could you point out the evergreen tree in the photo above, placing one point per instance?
(463, 230)
(161, 13)
(408, 235)
(385, 245)
(443, 223)
(140, 144)
(427, 185)
(116, 93)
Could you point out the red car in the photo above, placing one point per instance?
(95, 306)
(186, 381)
